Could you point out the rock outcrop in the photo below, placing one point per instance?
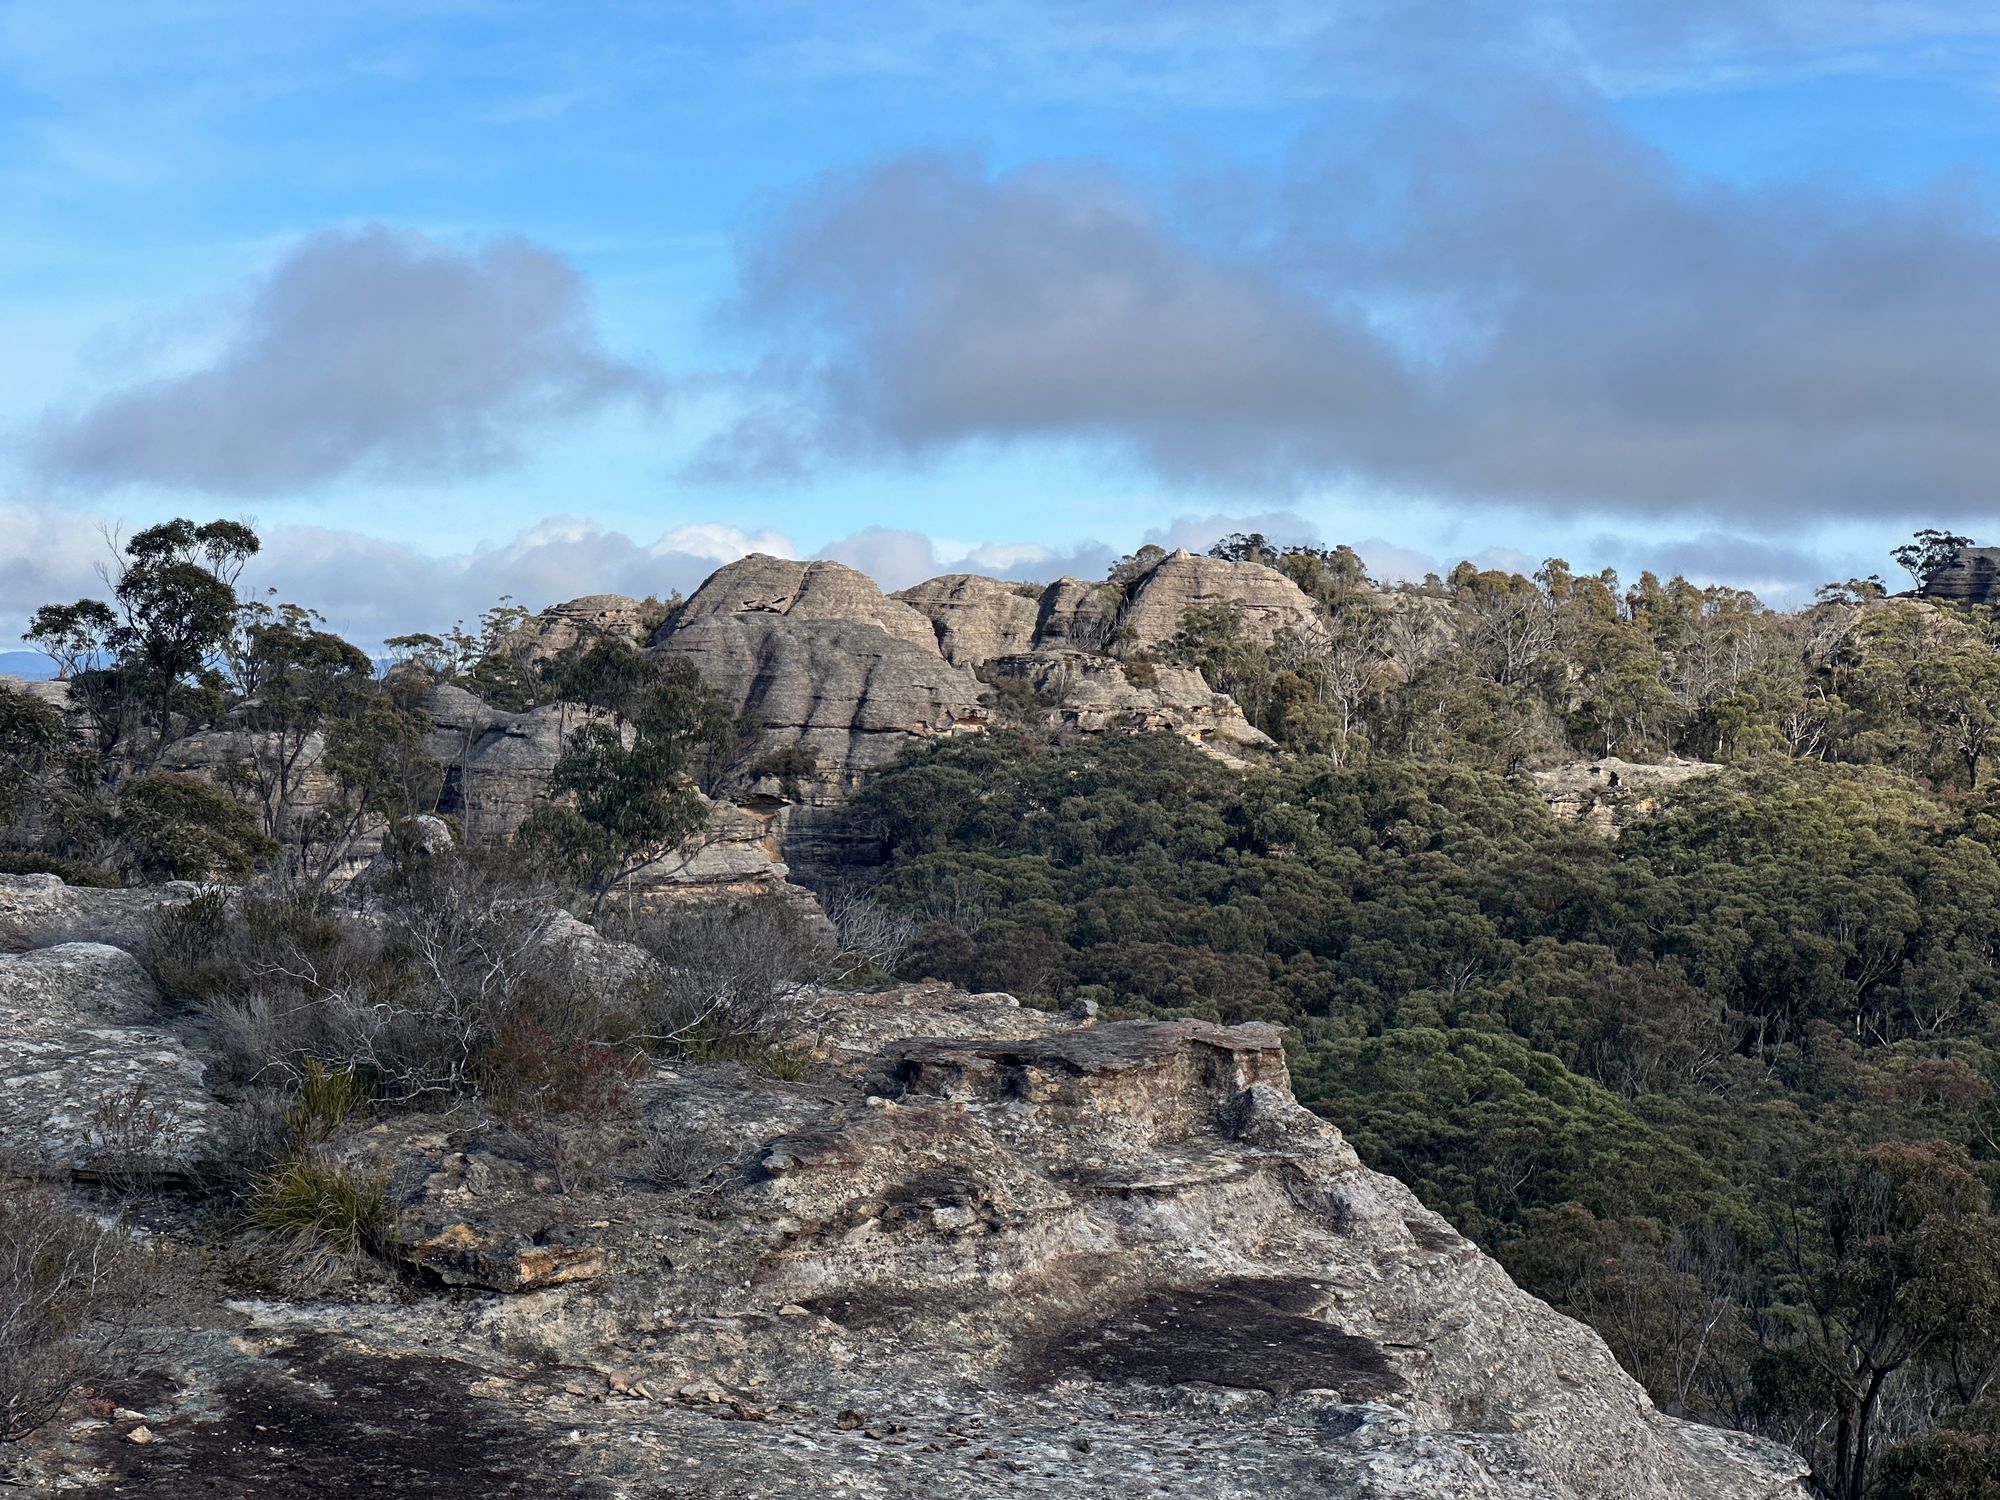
(37, 911)
(1097, 694)
(91, 1080)
(978, 1251)
(844, 691)
(800, 591)
(576, 621)
(1972, 577)
(1610, 793)
(817, 657)
(1264, 599)
(52, 691)
(975, 618)
(497, 764)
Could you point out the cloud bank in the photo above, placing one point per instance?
(1513, 300)
(363, 354)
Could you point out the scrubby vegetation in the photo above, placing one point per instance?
(1724, 1087)
(69, 1294)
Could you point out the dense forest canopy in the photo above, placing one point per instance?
(1723, 1084)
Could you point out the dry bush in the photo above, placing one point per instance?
(731, 972)
(562, 1100)
(868, 930)
(70, 1291)
(135, 1140)
(689, 1161)
(409, 1001)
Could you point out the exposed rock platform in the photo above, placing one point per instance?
(975, 1250)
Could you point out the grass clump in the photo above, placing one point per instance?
(323, 1202)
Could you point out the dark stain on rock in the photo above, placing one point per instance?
(1246, 1333)
(320, 1417)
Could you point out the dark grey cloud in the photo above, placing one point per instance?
(364, 353)
(1505, 298)
(926, 302)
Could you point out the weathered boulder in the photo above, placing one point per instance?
(39, 910)
(976, 619)
(801, 591)
(90, 1081)
(1265, 599)
(845, 691)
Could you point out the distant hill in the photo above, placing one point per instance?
(30, 664)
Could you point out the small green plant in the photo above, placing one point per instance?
(326, 1098)
(315, 1199)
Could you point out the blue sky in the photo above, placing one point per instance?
(457, 299)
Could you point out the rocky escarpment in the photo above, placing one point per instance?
(1972, 577)
(977, 1249)
(816, 657)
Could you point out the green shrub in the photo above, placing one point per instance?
(176, 826)
(322, 1201)
(326, 1097)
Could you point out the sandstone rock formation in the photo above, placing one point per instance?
(91, 1080)
(497, 764)
(975, 618)
(1096, 694)
(845, 691)
(52, 691)
(576, 621)
(1608, 794)
(1266, 600)
(979, 1251)
(1972, 577)
(800, 591)
(37, 911)
(815, 656)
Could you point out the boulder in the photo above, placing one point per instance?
(90, 1081)
(802, 591)
(39, 910)
(844, 690)
(976, 619)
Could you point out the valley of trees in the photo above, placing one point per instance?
(1723, 1085)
